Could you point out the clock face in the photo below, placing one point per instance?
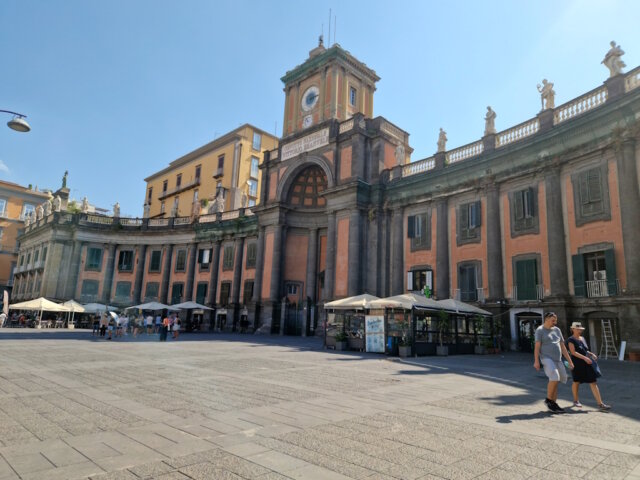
(307, 121)
(310, 98)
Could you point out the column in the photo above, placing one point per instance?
(274, 292)
(137, 286)
(237, 271)
(108, 275)
(166, 273)
(442, 250)
(397, 252)
(494, 244)
(355, 250)
(191, 272)
(372, 237)
(257, 282)
(330, 258)
(555, 233)
(312, 275)
(215, 266)
(74, 270)
(629, 201)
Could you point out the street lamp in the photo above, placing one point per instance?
(18, 122)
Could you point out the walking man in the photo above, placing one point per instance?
(548, 352)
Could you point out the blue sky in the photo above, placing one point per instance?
(115, 90)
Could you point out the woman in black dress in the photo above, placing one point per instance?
(582, 371)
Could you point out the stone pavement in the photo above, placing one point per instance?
(261, 407)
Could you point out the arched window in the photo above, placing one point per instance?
(307, 188)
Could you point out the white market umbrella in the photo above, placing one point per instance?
(98, 307)
(154, 306)
(357, 302)
(75, 307)
(41, 305)
(190, 306)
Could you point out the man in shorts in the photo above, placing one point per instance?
(548, 352)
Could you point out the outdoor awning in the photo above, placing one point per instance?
(460, 307)
(190, 306)
(97, 307)
(408, 301)
(154, 306)
(74, 306)
(358, 302)
(41, 304)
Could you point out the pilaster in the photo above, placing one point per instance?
(442, 250)
(494, 243)
(555, 233)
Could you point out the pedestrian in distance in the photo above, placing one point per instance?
(158, 323)
(176, 328)
(548, 352)
(164, 329)
(583, 367)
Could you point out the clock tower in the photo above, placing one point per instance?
(330, 84)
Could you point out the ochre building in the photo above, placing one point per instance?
(540, 216)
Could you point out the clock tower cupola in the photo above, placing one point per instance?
(330, 84)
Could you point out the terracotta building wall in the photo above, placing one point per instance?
(295, 255)
(342, 257)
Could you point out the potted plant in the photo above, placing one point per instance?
(443, 327)
(341, 341)
(404, 344)
(479, 323)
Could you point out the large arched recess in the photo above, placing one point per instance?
(292, 174)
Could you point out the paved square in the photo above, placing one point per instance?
(254, 407)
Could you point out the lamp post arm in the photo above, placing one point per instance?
(13, 113)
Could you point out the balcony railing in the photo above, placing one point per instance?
(476, 295)
(527, 294)
(602, 288)
(184, 186)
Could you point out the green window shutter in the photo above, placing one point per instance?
(579, 285)
(610, 266)
(411, 226)
(595, 185)
(584, 188)
(526, 279)
(478, 214)
(463, 223)
(518, 205)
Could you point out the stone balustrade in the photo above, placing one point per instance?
(464, 152)
(580, 105)
(632, 80)
(514, 134)
(346, 126)
(230, 215)
(419, 166)
(158, 222)
(182, 220)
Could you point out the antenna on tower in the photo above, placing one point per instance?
(335, 17)
(329, 39)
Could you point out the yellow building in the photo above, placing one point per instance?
(227, 168)
(16, 202)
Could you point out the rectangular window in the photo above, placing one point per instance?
(292, 288)
(526, 280)
(3, 207)
(149, 194)
(591, 192)
(94, 259)
(36, 254)
(178, 180)
(257, 141)
(220, 170)
(177, 290)
(156, 258)
(176, 206)
(89, 288)
(151, 292)
(227, 261)
(165, 184)
(225, 292)
(21, 260)
(418, 279)
(254, 167)
(123, 290)
(27, 210)
(594, 274)
(181, 260)
(253, 188)
(28, 258)
(467, 283)
(204, 258)
(252, 248)
(419, 232)
(247, 294)
(252, 202)
(201, 292)
(162, 207)
(353, 95)
(198, 171)
(195, 196)
(469, 221)
(524, 216)
(125, 261)
(44, 254)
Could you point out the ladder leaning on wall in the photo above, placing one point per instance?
(608, 345)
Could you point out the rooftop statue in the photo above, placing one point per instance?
(56, 203)
(145, 212)
(85, 205)
(47, 208)
(490, 122)
(442, 141)
(116, 210)
(39, 212)
(547, 94)
(613, 60)
(64, 179)
(400, 156)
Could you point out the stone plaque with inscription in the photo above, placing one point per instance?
(310, 142)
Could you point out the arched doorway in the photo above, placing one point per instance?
(523, 326)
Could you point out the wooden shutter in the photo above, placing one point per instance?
(610, 266)
(463, 222)
(411, 226)
(518, 205)
(595, 185)
(409, 281)
(579, 285)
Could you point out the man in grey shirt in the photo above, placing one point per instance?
(548, 352)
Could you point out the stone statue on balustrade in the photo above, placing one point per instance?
(85, 205)
(218, 203)
(39, 212)
(547, 94)
(613, 60)
(116, 210)
(64, 179)
(174, 210)
(145, 211)
(244, 200)
(57, 203)
(27, 220)
(490, 122)
(442, 141)
(400, 156)
(47, 208)
(34, 218)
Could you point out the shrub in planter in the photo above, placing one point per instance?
(341, 341)
(443, 327)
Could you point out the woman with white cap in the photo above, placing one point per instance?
(583, 371)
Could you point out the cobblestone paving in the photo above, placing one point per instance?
(246, 407)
